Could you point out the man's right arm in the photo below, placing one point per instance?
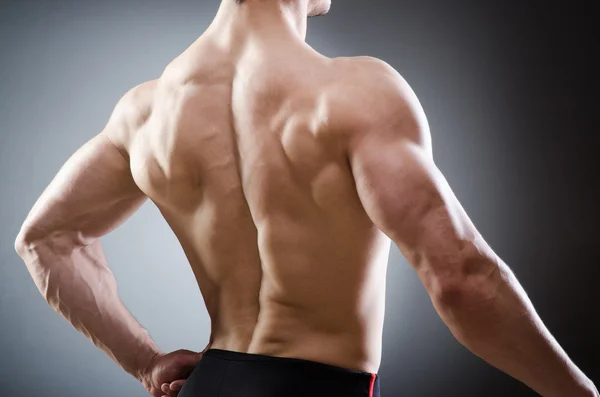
(472, 289)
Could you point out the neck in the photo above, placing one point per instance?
(269, 20)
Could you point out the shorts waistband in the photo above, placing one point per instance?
(230, 355)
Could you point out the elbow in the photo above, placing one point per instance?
(26, 240)
(450, 292)
(22, 242)
(31, 239)
(476, 279)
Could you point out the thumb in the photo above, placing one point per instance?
(190, 359)
(196, 356)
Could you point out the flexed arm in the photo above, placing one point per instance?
(473, 290)
(91, 195)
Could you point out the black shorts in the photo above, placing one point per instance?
(223, 373)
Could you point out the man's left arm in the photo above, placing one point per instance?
(92, 194)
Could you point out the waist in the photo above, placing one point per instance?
(335, 335)
(276, 376)
(344, 351)
(231, 355)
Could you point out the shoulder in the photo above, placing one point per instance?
(377, 99)
(373, 78)
(366, 66)
(136, 104)
(131, 112)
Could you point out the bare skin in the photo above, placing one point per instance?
(284, 175)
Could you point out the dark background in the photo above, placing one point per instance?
(511, 92)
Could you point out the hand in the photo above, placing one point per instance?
(166, 373)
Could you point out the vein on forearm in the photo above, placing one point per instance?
(77, 283)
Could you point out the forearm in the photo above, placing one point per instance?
(497, 322)
(77, 283)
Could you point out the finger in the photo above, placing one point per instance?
(165, 388)
(177, 385)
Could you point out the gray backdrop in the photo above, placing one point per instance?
(512, 101)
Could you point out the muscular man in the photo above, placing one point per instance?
(284, 175)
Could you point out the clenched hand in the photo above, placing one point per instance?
(166, 373)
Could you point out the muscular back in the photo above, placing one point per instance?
(247, 161)
(281, 172)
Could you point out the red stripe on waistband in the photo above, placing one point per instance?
(372, 387)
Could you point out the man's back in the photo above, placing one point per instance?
(246, 162)
(281, 172)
